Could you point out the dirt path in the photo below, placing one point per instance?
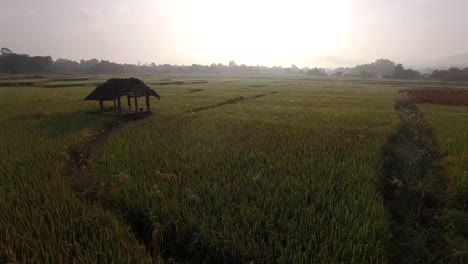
(231, 101)
(415, 191)
(84, 183)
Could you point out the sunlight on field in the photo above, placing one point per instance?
(292, 175)
(42, 220)
(220, 131)
(250, 32)
(226, 170)
(450, 125)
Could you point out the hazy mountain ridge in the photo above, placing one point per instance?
(443, 63)
(459, 60)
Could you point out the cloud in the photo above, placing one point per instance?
(90, 13)
(31, 12)
(123, 9)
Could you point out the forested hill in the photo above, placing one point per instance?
(13, 63)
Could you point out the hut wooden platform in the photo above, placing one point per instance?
(132, 88)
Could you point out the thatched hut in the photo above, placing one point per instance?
(115, 88)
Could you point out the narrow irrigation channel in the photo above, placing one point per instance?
(415, 192)
(233, 100)
(84, 183)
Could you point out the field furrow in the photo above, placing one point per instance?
(415, 191)
(278, 179)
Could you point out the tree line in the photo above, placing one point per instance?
(11, 62)
(452, 74)
(14, 63)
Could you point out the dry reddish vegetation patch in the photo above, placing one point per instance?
(446, 96)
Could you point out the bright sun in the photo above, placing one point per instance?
(251, 31)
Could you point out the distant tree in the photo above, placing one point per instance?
(40, 64)
(22, 63)
(86, 64)
(294, 68)
(452, 74)
(232, 64)
(338, 74)
(412, 74)
(317, 73)
(380, 67)
(401, 73)
(244, 69)
(364, 74)
(5, 51)
(65, 65)
(105, 67)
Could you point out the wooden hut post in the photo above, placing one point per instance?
(129, 103)
(136, 104)
(101, 106)
(119, 105)
(148, 107)
(115, 106)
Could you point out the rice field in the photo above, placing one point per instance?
(257, 179)
(445, 112)
(238, 169)
(442, 96)
(42, 221)
(449, 124)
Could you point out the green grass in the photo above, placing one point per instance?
(42, 221)
(50, 81)
(289, 177)
(450, 124)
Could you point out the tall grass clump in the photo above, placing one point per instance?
(449, 124)
(42, 221)
(443, 96)
(291, 177)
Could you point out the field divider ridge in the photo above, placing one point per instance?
(84, 183)
(415, 191)
(233, 100)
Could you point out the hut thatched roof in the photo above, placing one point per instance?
(116, 87)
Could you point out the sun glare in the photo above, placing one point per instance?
(252, 31)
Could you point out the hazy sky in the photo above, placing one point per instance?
(266, 32)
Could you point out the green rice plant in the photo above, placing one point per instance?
(449, 124)
(291, 177)
(42, 221)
